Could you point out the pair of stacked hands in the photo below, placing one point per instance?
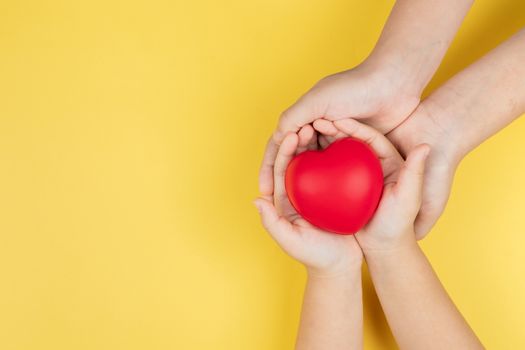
(393, 186)
(416, 174)
(419, 144)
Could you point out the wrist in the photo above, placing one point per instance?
(446, 117)
(388, 258)
(430, 124)
(397, 72)
(344, 271)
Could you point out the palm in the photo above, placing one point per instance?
(383, 228)
(315, 247)
(323, 249)
(312, 246)
(391, 164)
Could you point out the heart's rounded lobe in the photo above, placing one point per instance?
(336, 189)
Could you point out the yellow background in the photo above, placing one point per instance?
(130, 138)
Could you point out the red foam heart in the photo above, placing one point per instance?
(336, 189)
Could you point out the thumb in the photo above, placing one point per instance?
(410, 182)
(304, 111)
(301, 113)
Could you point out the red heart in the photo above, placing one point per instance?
(336, 189)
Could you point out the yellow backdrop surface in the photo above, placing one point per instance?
(130, 138)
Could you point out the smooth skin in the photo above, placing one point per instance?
(386, 88)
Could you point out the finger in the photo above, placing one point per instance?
(379, 143)
(280, 229)
(323, 141)
(325, 127)
(302, 112)
(284, 156)
(410, 182)
(305, 136)
(312, 144)
(328, 130)
(266, 170)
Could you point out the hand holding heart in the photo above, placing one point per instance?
(392, 224)
(323, 253)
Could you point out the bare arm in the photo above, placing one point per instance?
(469, 108)
(332, 315)
(483, 98)
(418, 309)
(416, 37)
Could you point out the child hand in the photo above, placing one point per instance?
(323, 253)
(394, 258)
(392, 225)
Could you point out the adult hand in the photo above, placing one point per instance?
(423, 127)
(374, 93)
(466, 110)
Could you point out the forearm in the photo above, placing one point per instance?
(483, 98)
(332, 315)
(417, 307)
(416, 37)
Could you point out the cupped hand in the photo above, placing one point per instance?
(392, 225)
(323, 253)
(371, 93)
(423, 127)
